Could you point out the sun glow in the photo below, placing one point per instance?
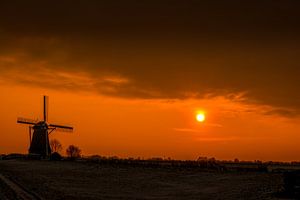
(200, 117)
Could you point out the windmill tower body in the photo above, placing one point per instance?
(39, 140)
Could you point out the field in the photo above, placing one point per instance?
(80, 180)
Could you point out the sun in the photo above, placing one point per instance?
(200, 117)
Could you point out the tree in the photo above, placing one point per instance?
(73, 152)
(55, 145)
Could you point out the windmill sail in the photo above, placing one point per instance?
(61, 128)
(22, 120)
(64, 130)
(46, 100)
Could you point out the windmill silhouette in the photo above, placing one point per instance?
(39, 140)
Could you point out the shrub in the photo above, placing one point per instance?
(73, 152)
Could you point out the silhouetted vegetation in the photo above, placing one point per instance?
(56, 146)
(202, 163)
(73, 152)
(55, 156)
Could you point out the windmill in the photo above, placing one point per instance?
(39, 140)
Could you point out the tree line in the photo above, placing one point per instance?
(72, 151)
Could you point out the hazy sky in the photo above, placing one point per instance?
(130, 76)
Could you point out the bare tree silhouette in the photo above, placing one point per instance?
(55, 145)
(73, 152)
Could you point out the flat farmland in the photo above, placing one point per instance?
(80, 180)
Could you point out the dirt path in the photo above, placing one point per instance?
(15, 191)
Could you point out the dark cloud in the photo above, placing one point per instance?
(283, 112)
(163, 49)
(148, 18)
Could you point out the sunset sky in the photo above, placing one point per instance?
(131, 76)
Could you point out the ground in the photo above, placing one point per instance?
(76, 180)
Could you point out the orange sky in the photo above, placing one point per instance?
(151, 128)
(130, 76)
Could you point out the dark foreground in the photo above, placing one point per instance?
(75, 180)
